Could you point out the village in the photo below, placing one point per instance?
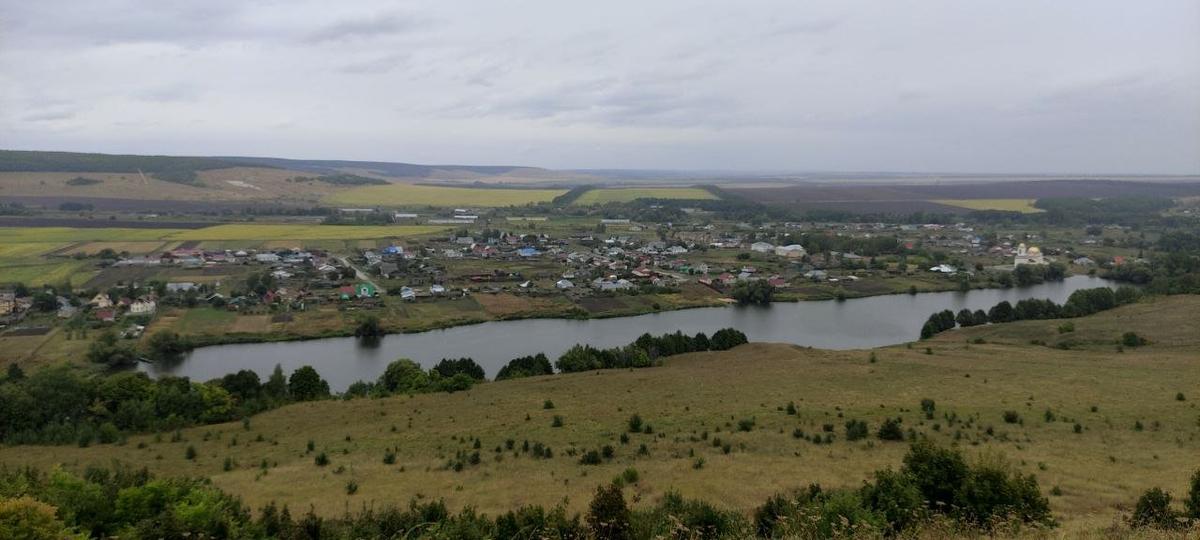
(577, 270)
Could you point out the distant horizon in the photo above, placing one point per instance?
(678, 171)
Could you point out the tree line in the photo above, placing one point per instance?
(1081, 303)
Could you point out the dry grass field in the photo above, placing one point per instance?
(601, 196)
(418, 195)
(696, 399)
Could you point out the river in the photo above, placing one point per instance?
(850, 324)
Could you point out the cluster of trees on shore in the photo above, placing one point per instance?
(936, 488)
(646, 350)
(1081, 303)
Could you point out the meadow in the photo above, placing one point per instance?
(417, 195)
(1024, 206)
(602, 196)
(1094, 424)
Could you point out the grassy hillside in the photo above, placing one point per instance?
(417, 195)
(601, 196)
(1093, 472)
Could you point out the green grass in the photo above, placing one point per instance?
(415, 195)
(601, 196)
(1024, 206)
(1100, 470)
(48, 273)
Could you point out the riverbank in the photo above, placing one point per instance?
(854, 323)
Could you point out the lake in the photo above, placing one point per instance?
(850, 324)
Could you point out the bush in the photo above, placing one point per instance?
(927, 407)
(890, 430)
(745, 424)
(547, 404)
(608, 515)
(1011, 417)
(635, 424)
(1131, 339)
(557, 421)
(856, 430)
(190, 453)
(321, 459)
(896, 496)
(1192, 504)
(1153, 510)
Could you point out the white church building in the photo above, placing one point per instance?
(1030, 255)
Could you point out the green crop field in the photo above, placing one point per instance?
(19, 235)
(1024, 206)
(601, 196)
(414, 195)
(695, 403)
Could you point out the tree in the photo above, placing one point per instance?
(965, 318)
(26, 517)
(753, 292)
(727, 338)
(449, 367)
(1001, 313)
(368, 327)
(276, 385)
(890, 430)
(608, 515)
(45, 301)
(109, 351)
(404, 375)
(938, 472)
(167, 344)
(306, 384)
(526, 366)
(895, 495)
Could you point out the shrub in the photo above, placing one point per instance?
(351, 487)
(591, 457)
(389, 457)
(1131, 339)
(635, 424)
(928, 407)
(608, 515)
(547, 404)
(856, 430)
(890, 430)
(745, 424)
(1192, 504)
(190, 453)
(1011, 417)
(1153, 510)
(1178, 397)
(321, 460)
(894, 495)
(557, 421)
(630, 476)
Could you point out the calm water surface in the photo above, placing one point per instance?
(851, 324)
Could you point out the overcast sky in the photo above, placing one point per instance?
(982, 86)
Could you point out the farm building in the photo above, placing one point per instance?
(791, 251)
(762, 247)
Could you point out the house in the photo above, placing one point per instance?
(408, 294)
(791, 251)
(388, 269)
(106, 315)
(777, 282)
(268, 258)
(528, 252)
(437, 289)
(143, 307)
(944, 269)
(762, 247)
(8, 303)
(181, 286)
(1084, 261)
(101, 300)
(564, 284)
(611, 285)
(452, 254)
(365, 290)
(65, 309)
(816, 275)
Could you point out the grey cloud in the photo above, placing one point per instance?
(361, 28)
